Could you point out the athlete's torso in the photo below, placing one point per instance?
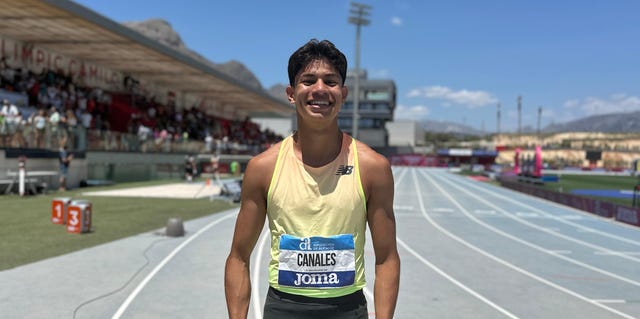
(317, 220)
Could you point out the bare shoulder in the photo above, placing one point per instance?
(260, 167)
(266, 158)
(375, 171)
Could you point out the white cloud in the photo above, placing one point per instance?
(414, 112)
(571, 104)
(472, 99)
(396, 21)
(616, 103)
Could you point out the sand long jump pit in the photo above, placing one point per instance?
(175, 190)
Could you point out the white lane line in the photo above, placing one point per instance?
(146, 280)
(569, 217)
(442, 210)
(484, 212)
(561, 252)
(616, 253)
(442, 273)
(527, 215)
(501, 261)
(453, 280)
(609, 300)
(532, 225)
(256, 302)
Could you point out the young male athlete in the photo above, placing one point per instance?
(318, 189)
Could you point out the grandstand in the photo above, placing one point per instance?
(128, 107)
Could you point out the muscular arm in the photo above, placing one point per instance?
(247, 230)
(379, 189)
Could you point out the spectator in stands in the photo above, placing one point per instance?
(65, 160)
(190, 169)
(6, 75)
(33, 87)
(71, 123)
(3, 131)
(54, 134)
(20, 128)
(144, 133)
(39, 123)
(83, 128)
(10, 113)
(208, 143)
(54, 88)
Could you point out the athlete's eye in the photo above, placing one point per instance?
(331, 83)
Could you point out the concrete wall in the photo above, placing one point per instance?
(77, 169)
(405, 133)
(114, 166)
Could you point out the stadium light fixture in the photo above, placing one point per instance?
(359, 14)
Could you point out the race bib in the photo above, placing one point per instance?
(317, 262)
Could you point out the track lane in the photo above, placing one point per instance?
(611, 285)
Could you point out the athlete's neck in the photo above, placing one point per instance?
(317, 148)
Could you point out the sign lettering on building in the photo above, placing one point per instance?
(36, 59)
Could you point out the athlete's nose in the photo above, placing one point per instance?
(320, 85)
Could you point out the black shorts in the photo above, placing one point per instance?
(284, 305)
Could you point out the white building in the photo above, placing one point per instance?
(405, 133)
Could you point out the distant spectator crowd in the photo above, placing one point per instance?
(61, 113)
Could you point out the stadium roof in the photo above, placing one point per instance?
(68, 28)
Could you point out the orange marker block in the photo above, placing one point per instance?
(79, 217)
(59, 210)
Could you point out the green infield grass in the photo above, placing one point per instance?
(28, 234)
(569, 182)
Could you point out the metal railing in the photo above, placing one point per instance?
(79, 139)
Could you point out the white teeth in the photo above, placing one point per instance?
(319, 103)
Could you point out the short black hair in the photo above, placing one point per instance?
(317, 50)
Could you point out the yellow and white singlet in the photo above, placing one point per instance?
(317, 220)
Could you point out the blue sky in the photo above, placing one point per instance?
(451, 60)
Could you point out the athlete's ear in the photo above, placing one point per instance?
(290, 96)
(345, 92)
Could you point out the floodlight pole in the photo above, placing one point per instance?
(519, 116)
(359, 12)
(539, 116)
(498, 119)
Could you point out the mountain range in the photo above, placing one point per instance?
(161, 31)
(627, 122)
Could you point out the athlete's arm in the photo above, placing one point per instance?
(249, 224)
(378, 184)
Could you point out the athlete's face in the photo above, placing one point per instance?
(318, 92)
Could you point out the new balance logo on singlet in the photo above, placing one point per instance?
(344, 170)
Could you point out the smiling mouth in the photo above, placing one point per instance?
(319, 104)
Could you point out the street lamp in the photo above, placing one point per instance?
(520, 116)
(359, 12)
(539, 118)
